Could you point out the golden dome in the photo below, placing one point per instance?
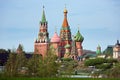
(65, 10)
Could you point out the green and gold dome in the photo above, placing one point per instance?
(67, 46)
(78, 37)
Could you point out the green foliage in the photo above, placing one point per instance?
(14, 64)
(99, 61)
(22, 78)
(2, 51)
(104, 66)
(111, 60)
(114, 72)
(68, 67)
(48, 67)
(93, 62)
(66, 59)
(39, 66)
(11, 67)
(33, 64)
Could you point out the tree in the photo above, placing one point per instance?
(21, 62)
(68, 67)
(14, 64)
(33, 65)
(93, 62)
(47, 66)
(11, 66)
(114, 72)
(3, 51)
(99, 61)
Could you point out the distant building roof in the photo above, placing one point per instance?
(108, 50)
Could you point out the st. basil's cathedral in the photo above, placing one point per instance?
(63, 44)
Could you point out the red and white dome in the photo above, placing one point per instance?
(55, 38)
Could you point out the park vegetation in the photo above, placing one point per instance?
(50, 66)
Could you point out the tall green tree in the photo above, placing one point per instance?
(15, 64)
(48, 67)
(21, 62)
(33, 65)
(11, 67)
(114, 72)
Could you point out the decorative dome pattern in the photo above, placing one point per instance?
(67, 46)
(55, 38)
(78, 37)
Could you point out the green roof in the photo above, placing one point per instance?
(43, 17)
(78, 37)
(108, 50)
(67, 46)
(98, 51)
(89, 55)
(65, 28)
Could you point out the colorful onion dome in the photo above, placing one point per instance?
(55, 38)
(78, 37)
(67, 46)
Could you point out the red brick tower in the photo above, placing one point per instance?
(78, 42)
(65, 33)
(19, 49)
(42, 42)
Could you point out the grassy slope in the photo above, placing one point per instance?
(58, 79)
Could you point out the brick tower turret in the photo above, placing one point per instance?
(42, 42)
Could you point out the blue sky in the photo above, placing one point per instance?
(99, 21)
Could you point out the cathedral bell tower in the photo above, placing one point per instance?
(42, 42)
(65, 33)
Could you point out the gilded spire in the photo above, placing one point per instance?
(43, 16)
(65, 22)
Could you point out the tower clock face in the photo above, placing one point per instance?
(41, 34)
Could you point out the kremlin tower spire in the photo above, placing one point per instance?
(42, 42)
(43, 20)
(43, 35)
(65, 33)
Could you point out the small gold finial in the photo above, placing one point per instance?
(65, 10)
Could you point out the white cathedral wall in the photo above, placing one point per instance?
(116, 54)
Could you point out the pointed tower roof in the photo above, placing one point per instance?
(65, 22)
(79, 37)
(98, 49)
(98, 46)
(117, 44)
(55, 38)
(43, 16)
(20, 48)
